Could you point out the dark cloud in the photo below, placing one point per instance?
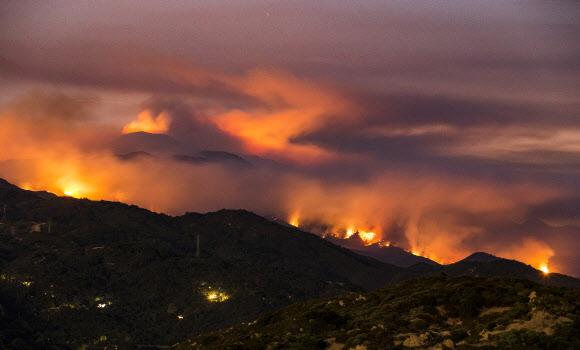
(410, 110)
(114, 67)
(51, 107)
(558, 212)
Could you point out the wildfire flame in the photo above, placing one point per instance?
(367, 237)
(147, 122)
(544, 269)
(70, 192)
(351, 231)
(294, 220)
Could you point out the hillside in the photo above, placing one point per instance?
(429, 313)
(389, 254)
(105, 270)
(472, 266)
(75, 271)
(477, 264)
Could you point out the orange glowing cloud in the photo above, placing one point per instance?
(147, 122)
(40, 121)
(287, 107)
(269, 133)
(293, 108)
(427, 208)
(532, 252)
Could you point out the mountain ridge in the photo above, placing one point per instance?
(97, 268)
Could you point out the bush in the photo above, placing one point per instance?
(419, 325)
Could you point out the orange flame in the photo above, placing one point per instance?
(351, 231)
(367, 237)
(531, 251)
(147, 122)
(294, 220)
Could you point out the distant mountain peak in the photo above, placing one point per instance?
(390, 254)
(213, 157)
(356, 238)
(481, 257)
(142, 141)
(135, 155)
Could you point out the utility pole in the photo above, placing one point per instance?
(198, 249)
(4, 214)
(49, 224)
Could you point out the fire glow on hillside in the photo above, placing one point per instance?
(100, 182)
(424, 142)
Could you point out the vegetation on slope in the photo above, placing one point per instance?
(110, 273)
(79, 272)
(431, 313)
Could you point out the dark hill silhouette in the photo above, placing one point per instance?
(481, 257)
(146, 142)
(143, 145)
(107, 268)
(214, 157)
(509, 268)
(135, 155)
(388, 254)
(146, 266)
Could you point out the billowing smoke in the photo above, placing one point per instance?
(441, 216)
(388, 118)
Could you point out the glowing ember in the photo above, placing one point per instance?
(544, 269)
(367, 237)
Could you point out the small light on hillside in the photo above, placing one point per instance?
(216, 296)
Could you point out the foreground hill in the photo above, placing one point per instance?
(429, 313)
(86, 272)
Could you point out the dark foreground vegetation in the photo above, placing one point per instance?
(429, 313)
(76, 273)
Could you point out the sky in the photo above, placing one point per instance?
(444, 127)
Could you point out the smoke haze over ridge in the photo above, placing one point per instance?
(456, 122)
